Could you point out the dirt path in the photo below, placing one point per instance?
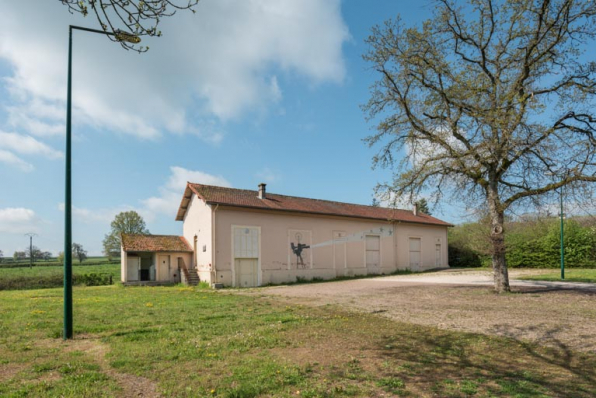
(543, 312)
(132, 386)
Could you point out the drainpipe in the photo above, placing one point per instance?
(213, 268)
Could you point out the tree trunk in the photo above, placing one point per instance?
(497, 237)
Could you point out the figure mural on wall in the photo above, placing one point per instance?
(299, 242)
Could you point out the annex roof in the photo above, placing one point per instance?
(249, 199)
(154, 243)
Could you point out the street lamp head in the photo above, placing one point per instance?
(126, 36)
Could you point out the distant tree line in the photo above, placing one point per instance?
(532, 242)
(34, 253)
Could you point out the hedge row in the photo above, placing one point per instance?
(55, 264)
(50, 281)
(529, 244)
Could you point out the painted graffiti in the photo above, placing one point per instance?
(299, 245)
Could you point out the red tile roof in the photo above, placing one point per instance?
(249, 199)
(154, 243)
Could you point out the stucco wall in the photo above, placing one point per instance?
(174, 274)
(429, 236)
(198, 221)
(328, 255)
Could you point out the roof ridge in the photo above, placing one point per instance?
(303, 197)
(154, 235)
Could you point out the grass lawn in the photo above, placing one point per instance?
(50, 276)
(571, 275)
(187, 342)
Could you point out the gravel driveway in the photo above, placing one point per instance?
(551, 313)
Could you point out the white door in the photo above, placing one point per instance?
(438, 261)
(246, 256)
(163, 268)
(373, 253)
(339, 252)
(132, 272)
(415, 254)
(247, 272)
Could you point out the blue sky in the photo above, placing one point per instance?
(242, 92)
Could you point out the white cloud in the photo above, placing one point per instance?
(268, 175)
(18, 220)
(219, 63)
(27, 145)
(165, 203)
(13, 160)
(170, 194)
(37, 117)
(180, 176)
(88, 216)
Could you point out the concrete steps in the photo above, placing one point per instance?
(193, 277)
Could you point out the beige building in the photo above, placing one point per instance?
(147, 259)
(245, 238)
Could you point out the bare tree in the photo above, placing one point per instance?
(491, 103)
(79, 252)
(139, 17)
(33, 253)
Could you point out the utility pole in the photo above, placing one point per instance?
(30, 235)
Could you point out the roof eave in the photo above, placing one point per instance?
(328, 214)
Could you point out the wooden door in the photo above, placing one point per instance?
(339, 252)
(132, 269)
(373, 253)
(415, 254)
(163, 269)
(246, 256)
(247, 272)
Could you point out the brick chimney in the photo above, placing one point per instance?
(262, 191)
(415, 209)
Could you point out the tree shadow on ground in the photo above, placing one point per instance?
(547, 288)
(457, 364)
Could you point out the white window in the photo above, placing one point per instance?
(246, 242)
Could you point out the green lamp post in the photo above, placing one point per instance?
(121, 36)
(562, 236)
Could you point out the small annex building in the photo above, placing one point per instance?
(154, 258)
(246, 238)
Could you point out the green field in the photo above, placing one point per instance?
(187, 342)
(8, 262)
(571, 275)
(51, 276)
